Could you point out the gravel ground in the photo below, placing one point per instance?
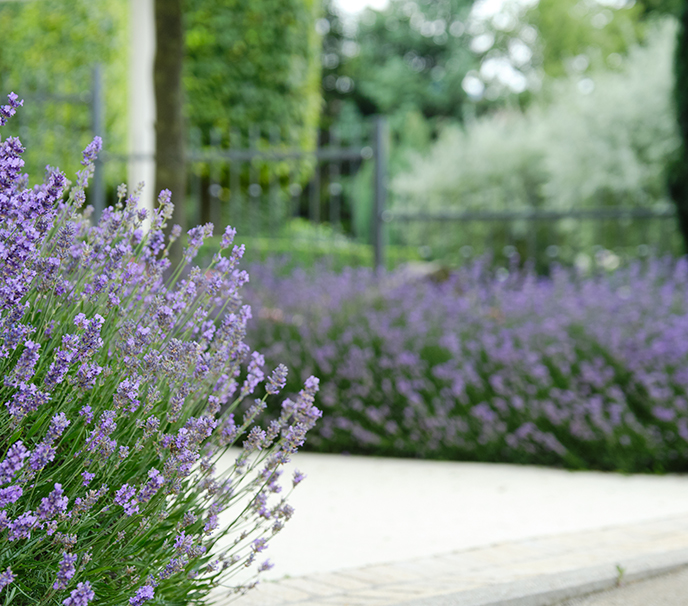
(665, 590)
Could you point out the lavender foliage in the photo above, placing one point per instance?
(122, 378)
(583, 371)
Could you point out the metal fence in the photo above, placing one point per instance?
(536, 234)
(261, 179)
(258, 181)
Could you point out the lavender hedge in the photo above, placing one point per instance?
(120, 388)
(583, 372)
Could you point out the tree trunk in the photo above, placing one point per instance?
(170, 171)
(678, 173)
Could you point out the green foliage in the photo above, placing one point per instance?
(661, 7)
(407, 57)
(678, 176)
(569, 28)
(51, 47)
(598, 141)
(253, 61)
(303, 244)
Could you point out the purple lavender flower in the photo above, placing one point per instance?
(259, 544)
(189, 518)
(212, 523)
(57, 426)
(43, 454)
(182, 542)
(21, 527)
(255, 440)
(154, 483)
(83, 505)
(87, 413)
(53, 505)
(80, 596)
(228, 430)
(196, 236)
(277, 380)
(267, 565)
(127, 395)
(28, 398)
(13, 461)
(125, 497)
(99, 440)
(255, 374)
(24, 368)
(174, 566)
(298, 477)
(92, 150)
(10, 495)
(228, 237)
(88, 477)
(7, 111)
(6, 577)
(64, 356)
(87, 374)
(66, 572)
(144, 593)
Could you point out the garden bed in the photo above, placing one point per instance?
(570, 370)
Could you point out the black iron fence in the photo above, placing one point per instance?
(261, 180)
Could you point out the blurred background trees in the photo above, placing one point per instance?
(244, 62)
(252, 62)
(49, 48)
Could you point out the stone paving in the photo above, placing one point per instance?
(665, 590)
(536, 571)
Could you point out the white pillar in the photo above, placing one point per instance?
(142, 100)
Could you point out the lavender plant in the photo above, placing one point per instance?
(121, 393)
(571, 370)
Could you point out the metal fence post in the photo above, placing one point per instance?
(380, 189)
(98, 128)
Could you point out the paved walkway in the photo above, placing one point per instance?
(383, 532)
(664, 590)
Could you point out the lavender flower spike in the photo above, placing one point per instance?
(92, 150)
(6, 577)
(66, 572)
(10, 495)
(277, 380)
(143, 594)
(81, 596)
(7, 111)
(13, 461)
(298, 477)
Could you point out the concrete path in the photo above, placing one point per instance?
(377, 532)
(665, 590)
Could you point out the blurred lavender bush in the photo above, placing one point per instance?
(571, 370)
(120, 388)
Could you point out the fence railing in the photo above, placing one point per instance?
(238, 175)
(535, 231)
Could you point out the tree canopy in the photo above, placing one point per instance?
(252, 61)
